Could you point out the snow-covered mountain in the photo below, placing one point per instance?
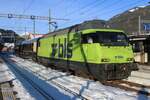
(136, 8)
(128, 20)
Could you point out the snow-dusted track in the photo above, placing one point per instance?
(65, 86)
(129, 86)
(38, 88)
(86, 88)
(142, 76)
(54, 82)
(33, 84)
(138, 79)
(144, 67)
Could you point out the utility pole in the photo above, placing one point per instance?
(33, 18)
(14, 37)
(33, 26)
(49, 22)
(25, 30)
(0, 37)
(139, 20)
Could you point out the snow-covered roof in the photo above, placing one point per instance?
(29, 41)
(32, 36)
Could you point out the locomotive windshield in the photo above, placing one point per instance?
(106, 38)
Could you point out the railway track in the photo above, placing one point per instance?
(63, 87)
(70, 91)
(129, 86)
(39, 89)
(122, 84)
(126, 85)
(31, 82)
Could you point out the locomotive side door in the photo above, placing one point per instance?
(92, 52)
(90, 45)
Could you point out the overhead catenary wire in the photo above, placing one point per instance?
(59, 4)
(73, 3)
(120, 8)
(103, 7)
(13, 27)
(25, 10)
(70, 5)
(107, 12)
(80, 8)
(86, 7)
(98, 10)
(28, 6)
(89, 8)
(93, 6)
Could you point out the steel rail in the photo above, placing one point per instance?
(32, 83)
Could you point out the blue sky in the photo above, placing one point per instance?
(76, 11)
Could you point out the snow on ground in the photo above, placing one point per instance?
(56, 93)
(142, 76)
(7, 75)
(85, 87)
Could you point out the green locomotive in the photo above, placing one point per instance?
(87, 48)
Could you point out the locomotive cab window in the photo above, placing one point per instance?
(113, 38)
(106, 38)
(89, 38)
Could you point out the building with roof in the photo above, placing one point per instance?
(29, 36)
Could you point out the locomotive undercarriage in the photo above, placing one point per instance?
(99, 72)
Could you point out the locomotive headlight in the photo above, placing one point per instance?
(105, 60)
(130, 59)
